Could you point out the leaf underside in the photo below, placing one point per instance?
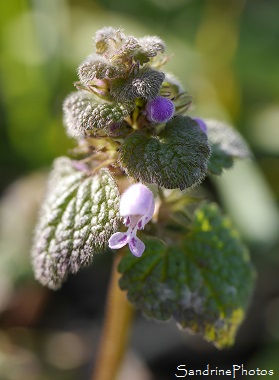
(78, 216)
(84, 115)
(97, 67)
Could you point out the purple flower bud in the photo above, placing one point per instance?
(136, 208)
(159, 110)
(201, 123)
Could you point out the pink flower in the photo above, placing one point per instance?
(136, 208)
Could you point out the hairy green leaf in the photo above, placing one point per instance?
(177, 158)
(118, 48)
(97, 67)
(204, 283)
(128, 49)
(151, 45)
(115, 45)
(84, 115)
(107, 37)
(226, 144)
(79, 214)
(145, 84)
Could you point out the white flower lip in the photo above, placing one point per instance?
(137, 207)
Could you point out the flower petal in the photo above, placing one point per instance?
(126, 221)
(136, 246)
(146, 218)
(118, 240)
(136, 200)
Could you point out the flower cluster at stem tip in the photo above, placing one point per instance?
(136, 207)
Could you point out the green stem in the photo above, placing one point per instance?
(114, 337)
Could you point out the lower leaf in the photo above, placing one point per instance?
(79, 214)
(204, 283)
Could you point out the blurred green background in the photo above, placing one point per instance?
(226, 54)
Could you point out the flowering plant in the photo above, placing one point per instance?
(137, 157)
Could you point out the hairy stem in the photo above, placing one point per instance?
(114, 337)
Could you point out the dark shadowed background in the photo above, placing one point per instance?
(226, 54)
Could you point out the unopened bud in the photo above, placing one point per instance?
(159, 110)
